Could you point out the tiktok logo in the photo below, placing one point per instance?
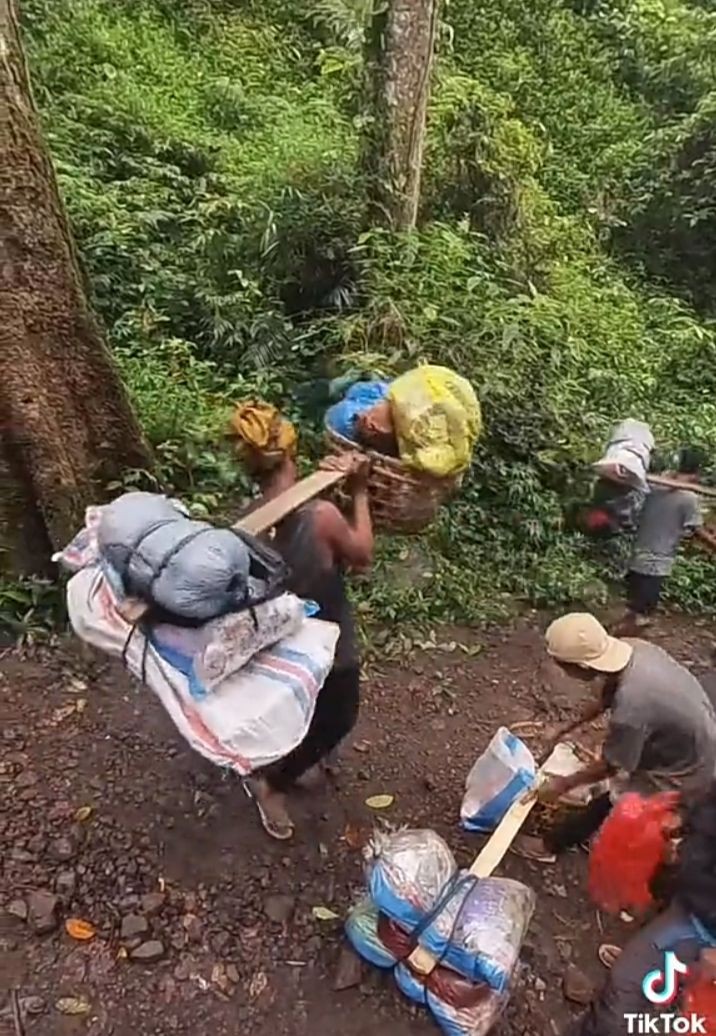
(662, 987)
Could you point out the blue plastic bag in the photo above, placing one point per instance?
(504, 771)
(362, 396)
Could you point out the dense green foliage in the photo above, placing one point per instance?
(209, 156)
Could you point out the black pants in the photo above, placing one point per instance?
(579, 826)
(643, 592)
(335, 716)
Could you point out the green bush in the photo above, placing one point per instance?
(209, 156)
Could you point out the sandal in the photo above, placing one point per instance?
(609, 954)
(281, 831)
(528, 848)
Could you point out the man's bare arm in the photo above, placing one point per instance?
(556, 787)
(706, 537)
(350, 542)
(594, 772)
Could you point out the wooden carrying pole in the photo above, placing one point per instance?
(273, 511)
(662, 481)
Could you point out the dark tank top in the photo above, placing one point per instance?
(314, 579)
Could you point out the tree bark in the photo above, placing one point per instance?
(400, 55)
(66, 426)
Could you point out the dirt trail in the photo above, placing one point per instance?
(172, 859)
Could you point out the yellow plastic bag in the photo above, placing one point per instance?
(437, 420)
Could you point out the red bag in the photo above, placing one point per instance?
(629, 849)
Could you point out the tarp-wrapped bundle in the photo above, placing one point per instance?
(253, 718)
(474, 928)
(628, 455)
(437, 418)
(211, 653)
(191, 570)
(407, 872)
(241, 688)
(622, 487)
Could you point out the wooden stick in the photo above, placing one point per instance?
(273, 511)
(673, 483)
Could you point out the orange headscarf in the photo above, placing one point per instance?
(265, 436)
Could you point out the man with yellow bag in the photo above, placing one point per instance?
(319, 544)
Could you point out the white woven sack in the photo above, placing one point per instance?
(253, 718)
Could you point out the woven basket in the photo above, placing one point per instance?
(401, 500)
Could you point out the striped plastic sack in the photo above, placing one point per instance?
(83, 550)
(254, 718)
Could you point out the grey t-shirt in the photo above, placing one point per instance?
(666, 517)
(662, 730)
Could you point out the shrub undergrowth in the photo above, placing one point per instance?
(208, 153)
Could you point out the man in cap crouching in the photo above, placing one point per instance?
(661, 733)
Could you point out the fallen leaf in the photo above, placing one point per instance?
(78, 929)
(380, 801)
(322, 913)
(258, 985)
(81, 704)
(83, 813)
(73, 1005)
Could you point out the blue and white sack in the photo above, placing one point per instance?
(478, 928)
(407, 872)
(504, 771)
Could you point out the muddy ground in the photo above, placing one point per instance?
(107, 816)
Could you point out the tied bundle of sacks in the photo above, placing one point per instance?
(474, 928)
(200, 615)
(621, 488)
(420, 430)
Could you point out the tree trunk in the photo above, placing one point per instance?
(401, 50)
(66, 426)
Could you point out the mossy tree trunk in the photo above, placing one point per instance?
(66, 426)
(400, 56)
